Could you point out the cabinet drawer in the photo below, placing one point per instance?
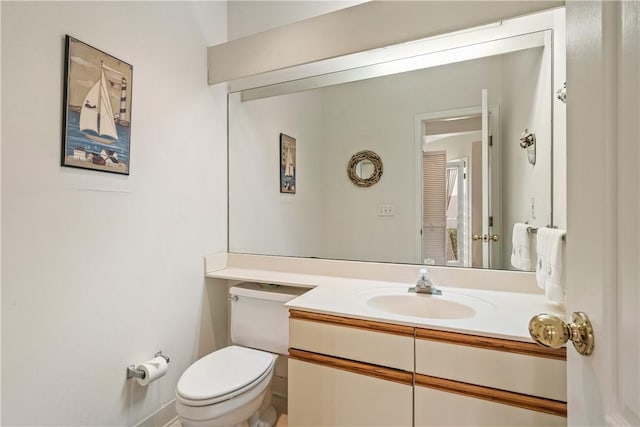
(370, 342)
(502, 368)
(324, 396)
(442, 408)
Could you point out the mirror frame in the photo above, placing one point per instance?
(377, 168)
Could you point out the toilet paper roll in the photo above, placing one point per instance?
(153, 369)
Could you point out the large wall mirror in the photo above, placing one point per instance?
(447, 125)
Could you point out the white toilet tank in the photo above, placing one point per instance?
(259, 318)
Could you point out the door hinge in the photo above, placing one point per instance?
(464, 175)
(490, 140)
(491, 221)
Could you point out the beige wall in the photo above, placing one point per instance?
(102, 270)
(250, 17)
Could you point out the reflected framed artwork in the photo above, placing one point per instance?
(288, 166)
(96, 122)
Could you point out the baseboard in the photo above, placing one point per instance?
(164, 416)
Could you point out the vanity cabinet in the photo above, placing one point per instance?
(496, 381)
(326, 393)
(439, 408)
(347, 372)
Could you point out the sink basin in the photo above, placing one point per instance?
(420, 305)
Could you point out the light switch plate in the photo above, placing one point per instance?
(386, 210)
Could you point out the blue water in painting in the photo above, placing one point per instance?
(76, 139)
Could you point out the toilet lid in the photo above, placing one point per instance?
(223, 372)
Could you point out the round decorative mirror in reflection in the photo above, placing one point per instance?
(365, 168)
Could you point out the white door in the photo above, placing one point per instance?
(486, 184)
(491, 199)
(603, 257)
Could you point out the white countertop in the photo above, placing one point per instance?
(499, 314)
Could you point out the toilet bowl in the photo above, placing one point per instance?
(232, 386)
(241, 380)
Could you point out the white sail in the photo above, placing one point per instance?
(107, 124)
(96, 113)
(112, 72)
(288, 171)
(89, 111)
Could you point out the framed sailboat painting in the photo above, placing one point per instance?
(287, 164)
(96, 132)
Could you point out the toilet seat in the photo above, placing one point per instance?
(223, 374)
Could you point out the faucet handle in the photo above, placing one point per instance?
(423, 281)
(424, 285)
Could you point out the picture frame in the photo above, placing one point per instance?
(288, 167)
(96, 108)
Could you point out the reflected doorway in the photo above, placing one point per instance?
(456, 213)
(458, 192)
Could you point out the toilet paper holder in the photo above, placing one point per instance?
(132, 372)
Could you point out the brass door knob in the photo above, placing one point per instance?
(494, 237)
(551, 331)
(476, 237)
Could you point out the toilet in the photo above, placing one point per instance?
(232, 386)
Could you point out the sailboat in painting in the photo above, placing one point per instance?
(289, 168)
(97, 121)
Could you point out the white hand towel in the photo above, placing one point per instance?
(521, 244)
(550, 263)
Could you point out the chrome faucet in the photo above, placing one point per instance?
(424, 285)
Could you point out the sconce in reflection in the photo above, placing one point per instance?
(561, 93)
(528, 142)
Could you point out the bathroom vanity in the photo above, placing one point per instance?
(346, 371)
(365, 351)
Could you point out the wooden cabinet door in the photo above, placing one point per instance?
(321, 395)
(439, 408)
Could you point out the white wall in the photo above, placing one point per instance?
(250, 17)
(261, 219)
(101, 270)
(526, 92)
(378, 115)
